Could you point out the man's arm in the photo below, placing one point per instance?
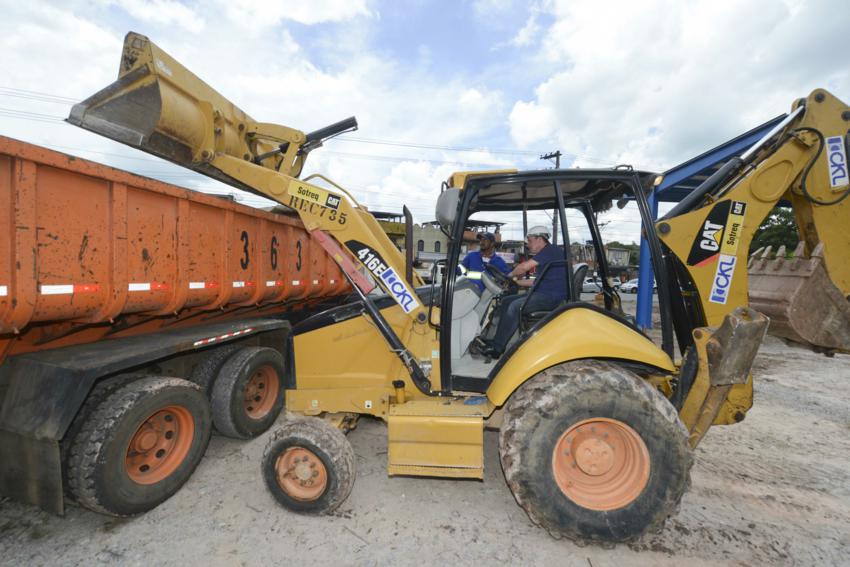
(523, 268)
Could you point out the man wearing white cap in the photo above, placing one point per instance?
(550, 291)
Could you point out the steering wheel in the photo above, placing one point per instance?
(502, 281)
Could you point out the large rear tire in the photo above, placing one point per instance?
(205, 372)
(594, 453)
(138, 446)
(308, 466)
(248, 392)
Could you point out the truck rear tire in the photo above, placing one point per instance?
(205, 372)
(594, 453)
(138, 446)
(308, 466)
(248, 392)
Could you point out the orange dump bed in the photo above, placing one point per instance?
(90, 252)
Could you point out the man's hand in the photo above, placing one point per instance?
(523, 268)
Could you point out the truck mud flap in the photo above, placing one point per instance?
(799, 298)
(31, 471)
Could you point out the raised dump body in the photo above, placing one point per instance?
(91, 251)
(134, 316)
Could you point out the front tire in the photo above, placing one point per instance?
(594, 453)
(308, 466)
(138, 446)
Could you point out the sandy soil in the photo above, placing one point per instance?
(773, 490)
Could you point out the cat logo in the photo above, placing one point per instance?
(711, 233)
(724, 220)
(332, 202)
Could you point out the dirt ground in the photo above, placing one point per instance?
(773, 490)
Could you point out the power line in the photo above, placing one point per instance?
(36, 95)
(46, 97)
(24, 115)
(436, 146)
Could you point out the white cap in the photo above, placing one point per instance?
(538, 230)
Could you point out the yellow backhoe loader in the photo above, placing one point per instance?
(597, 423)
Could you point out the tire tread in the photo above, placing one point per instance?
(531, 402)
(82, 461)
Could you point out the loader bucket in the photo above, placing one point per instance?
(799, 298)
(158, 106)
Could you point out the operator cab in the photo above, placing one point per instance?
(576, 198)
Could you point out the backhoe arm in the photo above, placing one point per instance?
(159, 106)
(804, 163)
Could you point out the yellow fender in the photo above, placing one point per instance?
(577, 333)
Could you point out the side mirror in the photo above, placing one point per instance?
(447, 203)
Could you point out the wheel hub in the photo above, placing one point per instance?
(301, 474)
(159, 445)
(260, 393)
(594, 456)
(146, 440)
(601, 464)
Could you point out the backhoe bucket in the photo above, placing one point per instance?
(799, 298)
(159, 106)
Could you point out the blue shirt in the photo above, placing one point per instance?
(474, 262)
(554, 280)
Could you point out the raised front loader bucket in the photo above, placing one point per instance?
(159, 106)
(799, 298)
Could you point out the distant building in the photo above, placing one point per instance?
(617, 257)
(430, 244)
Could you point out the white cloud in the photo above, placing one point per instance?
(650, 83)
(262, 15)
(654, 83)
(531, 122)
(528, 34)
(164, 12)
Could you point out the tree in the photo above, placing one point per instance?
(778, 229)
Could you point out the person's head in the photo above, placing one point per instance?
(486, 242)
(537, 238)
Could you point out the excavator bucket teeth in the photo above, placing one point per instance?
(798, 296)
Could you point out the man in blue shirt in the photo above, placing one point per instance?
(550, 291)
(475, 261)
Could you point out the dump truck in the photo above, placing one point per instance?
(134, 316)
(597, 423)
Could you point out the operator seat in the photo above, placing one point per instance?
(530, 318)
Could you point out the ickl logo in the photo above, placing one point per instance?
(836, 158)
(723, 279)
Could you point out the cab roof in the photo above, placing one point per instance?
(536, 189)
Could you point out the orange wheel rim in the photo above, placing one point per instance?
(260, 392)
(160, 445)
(301, 474)
(601, 464)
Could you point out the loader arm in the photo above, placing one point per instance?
(805, 163)
(159, 106)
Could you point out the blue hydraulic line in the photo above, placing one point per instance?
(645, 274)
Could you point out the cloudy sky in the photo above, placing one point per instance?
(439, 86)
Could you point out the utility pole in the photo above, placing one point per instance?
(557, 156)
